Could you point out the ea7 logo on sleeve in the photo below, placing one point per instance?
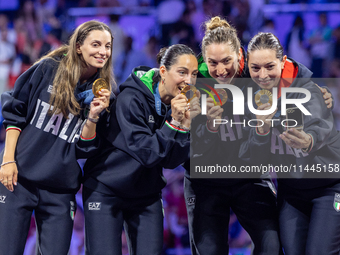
(95, 206)
(2, 199)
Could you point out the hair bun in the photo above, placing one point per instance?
(216, 22)
(160, 54)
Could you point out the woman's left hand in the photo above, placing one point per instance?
(194, 107)
(296, 139)
(327, 96)
(192, 110)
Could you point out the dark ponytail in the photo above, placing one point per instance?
(168, 56)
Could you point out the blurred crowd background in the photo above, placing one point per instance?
(308, 29)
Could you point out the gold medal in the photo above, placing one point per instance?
(98, 85)
(189, 91)
(222, 94)
(263, 96)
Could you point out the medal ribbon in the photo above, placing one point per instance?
(87, 95)
(158, 102)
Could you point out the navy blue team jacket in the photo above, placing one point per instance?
(135, 143)
(46, 151)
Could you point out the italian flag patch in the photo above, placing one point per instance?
(72, 209)
(336, 203)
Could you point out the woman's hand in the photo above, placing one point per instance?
(98, 104)
(9, 170)
(327, 96)
(9, 175)
(178, 107)
(296, 139)
(265, 119)
(213, 112)
(192, 110)
(194, 107)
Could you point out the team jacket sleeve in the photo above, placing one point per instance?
(255, 147)
(166, 146)
(89, 147)
(202, 139)
(321, 122)
(18, 104)
(328, 90)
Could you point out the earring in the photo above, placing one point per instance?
(163, 81)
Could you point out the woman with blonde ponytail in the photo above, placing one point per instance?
(251, 198)
(43, 117)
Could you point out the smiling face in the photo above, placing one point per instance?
(180, 74)
(96, 50)
(222, 62)
(265, 68)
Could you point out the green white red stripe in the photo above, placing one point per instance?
(13, 127)
(88, 139)
(175, 128)
(337, 206)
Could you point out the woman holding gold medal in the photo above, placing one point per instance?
(308, 200)
(148, 130)
(43, 116)
(209, 200)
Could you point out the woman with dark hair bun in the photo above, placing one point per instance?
(308, 195)
(148, 129)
